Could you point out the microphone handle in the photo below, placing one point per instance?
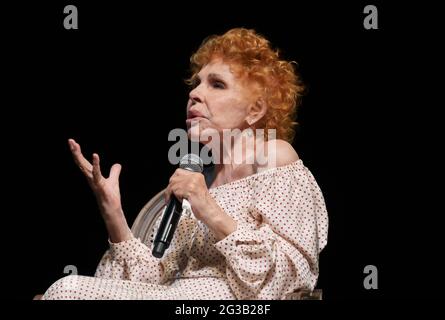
(168, 226)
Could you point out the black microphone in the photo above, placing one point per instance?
(173, 210)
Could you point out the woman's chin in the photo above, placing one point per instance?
(202, 136)
(197, 138)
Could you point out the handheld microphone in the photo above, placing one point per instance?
(173, 210)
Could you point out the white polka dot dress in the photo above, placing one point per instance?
(282, 226)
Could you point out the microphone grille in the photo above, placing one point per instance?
(191, 162)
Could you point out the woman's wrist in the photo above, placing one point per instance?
(219, 222)
(112, 215)
(117, 228)
(222, 226)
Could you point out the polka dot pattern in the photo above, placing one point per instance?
(282, 227)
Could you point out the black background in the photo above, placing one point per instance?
(116, 86)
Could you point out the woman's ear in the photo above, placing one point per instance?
(257, 111)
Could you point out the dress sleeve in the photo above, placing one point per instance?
(130, 260)
(278, 254)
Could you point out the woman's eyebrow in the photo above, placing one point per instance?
(215, 76)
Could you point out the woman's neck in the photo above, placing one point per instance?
(235, 158)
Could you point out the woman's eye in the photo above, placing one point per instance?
(218, 85)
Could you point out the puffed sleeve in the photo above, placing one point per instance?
(279, 253)
(130, 260)
(133, 260)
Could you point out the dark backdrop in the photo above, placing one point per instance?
(116, 86)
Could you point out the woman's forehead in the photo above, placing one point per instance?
(217, 67)
(231, 72)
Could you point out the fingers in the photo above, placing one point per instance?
(115, 171)
(97, 175)
(181, 172)
(174, 186)
(184, 184)
(83, 164)
(92, 171)
(173, 190)
(167, 194)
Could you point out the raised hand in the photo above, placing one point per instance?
(106, 191)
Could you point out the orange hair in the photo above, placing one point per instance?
(251, 54)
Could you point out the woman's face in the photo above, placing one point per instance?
(219, 101)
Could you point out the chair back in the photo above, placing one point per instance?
(143, 226)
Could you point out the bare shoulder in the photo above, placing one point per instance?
(275, 153)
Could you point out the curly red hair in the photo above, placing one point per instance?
(250, 53)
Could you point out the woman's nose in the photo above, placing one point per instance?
(195, 96)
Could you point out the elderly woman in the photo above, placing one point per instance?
(257, 231)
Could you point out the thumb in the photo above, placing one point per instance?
(115, 171)
(167, 195)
